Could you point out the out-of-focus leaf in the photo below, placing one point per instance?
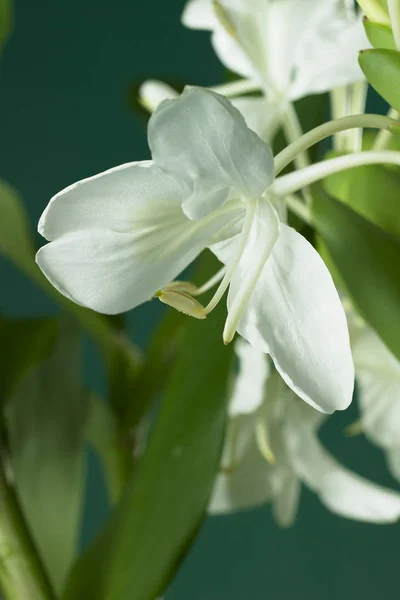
(5, 21)
(373, 192)
(138, 553)
(121, 357)
(382, 69)
(45, 422)
(379, 34)
(368, 261)
(377, 10)
(23, 344)
(102, 432)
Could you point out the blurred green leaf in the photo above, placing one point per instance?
(371, 191)
(45, 423)
(5, 21)
(23, 344)
(102, 432)
(379, 34)
(367, 259)
(121, 356)
(382, 69)
(164, 504)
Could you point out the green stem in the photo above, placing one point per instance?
(326, 130)
(293, 132)
(394, 14)
(236, 88)
(288, 184)
(384, 137)
(22, 576)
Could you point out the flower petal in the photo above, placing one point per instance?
(261, 116)
(327, 56)
(342, 491)
(286, 497)
(119, 237)
(153, 92)
(244, 478)
(378, 377)
(204, 140)
(199, 14)
(249, 388)
(295, 314)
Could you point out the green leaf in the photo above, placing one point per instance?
(5, 21)
(102, 432)
(372, 191)
(23, 344)
(45, 422)
(379, 34)
(382, 69)
(121, 356)
(164, 504)
(377, 10)
(367, 259)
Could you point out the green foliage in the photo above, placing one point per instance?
(45, 424)
(24, 343)
(372, 191)
(379, 34)
(367, 259)
(164, 503)
(382, 69)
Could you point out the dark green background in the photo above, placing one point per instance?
(67, 80)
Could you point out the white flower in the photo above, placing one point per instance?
(121, 237)
(272, 447)
(290, 48)
(378, 378)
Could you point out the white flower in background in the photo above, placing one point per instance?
(119, 238)
(289, 48)
(272, 447)
(378, 378)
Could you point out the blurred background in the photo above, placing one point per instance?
(68, 83)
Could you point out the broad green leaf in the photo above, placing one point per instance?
(367, 259)
(121, 356)
(164, 504)
(382, 69)
(102, 432)
(379, 34)
(23, 344)
(5, 21)
(372, 191)
(46, 421)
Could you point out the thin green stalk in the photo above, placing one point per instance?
(394, 14)
(326, 130)
(22, 576)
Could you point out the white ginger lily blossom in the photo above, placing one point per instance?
(288, 48)
(121, 237)
(272, 448)
(378, 378)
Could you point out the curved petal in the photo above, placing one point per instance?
(244, 478)
(137, 242)
(204, 140)
(378, 377)
(296, 315)
(327, 56)
(153, 92)
(109, 199)
(261, 116)
(199, 14)
(249, 387)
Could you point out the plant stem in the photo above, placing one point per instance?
(22, 576)
(236, 88)
(382, 140)
(287, 184)
(298, 208)
(327, 129)
(374, 10)
(394, 14)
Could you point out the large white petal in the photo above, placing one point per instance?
(378, 377)
(199, 14)
(327, 56)
(296, 315)
(244, 478)
(261, 116)
(119, 237)
(202, 138)
(249, 387)
(342, 491)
